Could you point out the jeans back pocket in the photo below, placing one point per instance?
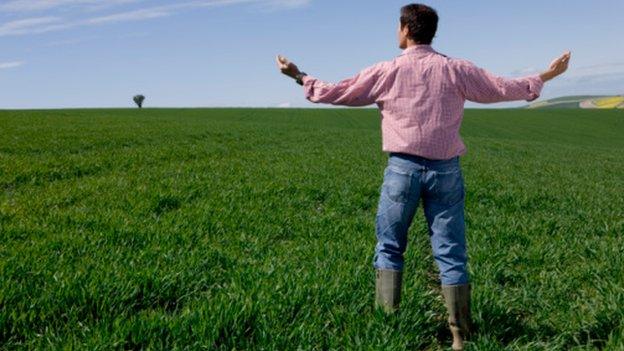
(396, 184)
(448, 186)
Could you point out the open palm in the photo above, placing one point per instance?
(560, 64)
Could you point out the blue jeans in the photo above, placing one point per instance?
(440, 185)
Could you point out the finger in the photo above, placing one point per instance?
(280, 59)
(281, 63)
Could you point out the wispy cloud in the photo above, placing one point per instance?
(7, 65)
(602, 69)
(40, 5)
(138, 15)
(31, 26)
(607, 77)
(37, 25)
(285, 4)
(524, 71)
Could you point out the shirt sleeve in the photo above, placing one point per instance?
(360, 90)
(478, 85)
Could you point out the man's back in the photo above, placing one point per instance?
(421, 95)
(421, 105)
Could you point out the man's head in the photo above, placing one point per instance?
(417, 25)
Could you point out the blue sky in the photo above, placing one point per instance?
(99, 53)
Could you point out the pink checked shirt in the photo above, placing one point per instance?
(421, 95)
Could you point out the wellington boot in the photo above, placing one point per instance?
(388, 290)
(457, 298)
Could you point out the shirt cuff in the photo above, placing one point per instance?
(308, 86)
(535, 86)
(306, 78)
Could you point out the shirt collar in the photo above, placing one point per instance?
(418, 48)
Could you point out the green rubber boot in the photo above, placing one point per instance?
(457, 298)
(388, 290)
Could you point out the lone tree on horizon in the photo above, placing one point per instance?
(138, 99)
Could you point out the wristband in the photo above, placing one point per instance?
(299, 77)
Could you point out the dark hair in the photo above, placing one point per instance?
(422, 22)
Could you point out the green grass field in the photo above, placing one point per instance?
(254, 229)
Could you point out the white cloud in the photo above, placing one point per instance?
(285, 4)
(40, 5)
(284, 105)
(7, 65)
(605, 78)
(137, 15)
(524, 71)
(31, 25)
(32, 5)
(38, 25)
(601, 69)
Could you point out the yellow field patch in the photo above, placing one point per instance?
(610, 102)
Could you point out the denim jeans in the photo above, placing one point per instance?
(440, 185)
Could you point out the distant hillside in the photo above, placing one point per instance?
(581, 101)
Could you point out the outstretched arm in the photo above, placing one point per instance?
(478, 85)
(360, 90)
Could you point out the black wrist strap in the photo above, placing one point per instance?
(299, 78)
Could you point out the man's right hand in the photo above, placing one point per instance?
(287, 67)
(557, 67)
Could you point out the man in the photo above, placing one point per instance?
(421, 95)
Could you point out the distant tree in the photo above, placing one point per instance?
(138, 99)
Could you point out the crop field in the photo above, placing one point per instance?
(253, 229)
